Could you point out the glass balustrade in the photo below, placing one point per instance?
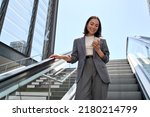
(139, 47)
(138, 54)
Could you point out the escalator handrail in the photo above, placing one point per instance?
(26, 72)
(141, 39)
(45, 64)
(30, 70)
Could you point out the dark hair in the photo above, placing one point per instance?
(98, 33)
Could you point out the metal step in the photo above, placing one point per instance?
(123, 84)
(26, 98)
(40, 87)
(123, 80)
(122, 76)
(123, 87)
(31, 93)
(119, 71)
(124, 95)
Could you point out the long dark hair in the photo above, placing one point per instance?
(98, 33)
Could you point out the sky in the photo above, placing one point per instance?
(119, 18)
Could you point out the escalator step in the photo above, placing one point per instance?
(123, 81)
(123, 87)
(124, 96)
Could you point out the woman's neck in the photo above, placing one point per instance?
(88, 35)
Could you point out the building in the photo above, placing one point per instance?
(148, 1)
(29, 20)
(19, 45)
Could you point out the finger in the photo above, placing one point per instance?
(50, 56)
(53, 56)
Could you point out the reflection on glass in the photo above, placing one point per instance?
(140, 48)
(0, 2)
(17, 22)
(39, 32)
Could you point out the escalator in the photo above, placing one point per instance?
(130, 78)
(124, 85)
(55, 79)
(48, 79)
(44, 88)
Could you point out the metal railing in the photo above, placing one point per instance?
(70, 94)
(60, 81)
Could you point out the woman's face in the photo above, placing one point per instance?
(92, 26)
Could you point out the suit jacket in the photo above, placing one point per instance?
(79, 54)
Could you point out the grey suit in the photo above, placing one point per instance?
(79, 54)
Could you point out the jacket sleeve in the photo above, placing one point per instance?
(105, 51)
(74, 55)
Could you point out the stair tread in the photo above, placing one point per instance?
(124, 95)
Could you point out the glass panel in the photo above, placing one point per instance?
(38, 37)
(16, 24)
(140, 48)
(0, 2)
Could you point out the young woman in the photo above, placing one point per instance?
(92, 54)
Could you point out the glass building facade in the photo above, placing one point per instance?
(148, 1)
(0, 2)
(17, 23)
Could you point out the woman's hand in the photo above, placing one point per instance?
(96, 44)
(55, 56)
(64, 57)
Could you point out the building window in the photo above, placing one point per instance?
(17, 21)
(39, 31)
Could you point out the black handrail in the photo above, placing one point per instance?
(16, 76)
(24, 73)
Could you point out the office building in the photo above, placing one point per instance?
(29, 20)
(19, 45)
(148, 1)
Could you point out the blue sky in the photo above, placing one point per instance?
(119, 18)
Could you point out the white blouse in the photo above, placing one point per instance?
(88, 45)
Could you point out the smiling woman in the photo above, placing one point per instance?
(120, 18)
(93, 26)
(92, 53)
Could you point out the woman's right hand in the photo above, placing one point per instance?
(64, 57)
(55, 56)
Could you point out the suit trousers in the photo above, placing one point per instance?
(90, 86)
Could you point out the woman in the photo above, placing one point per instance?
(92, 54)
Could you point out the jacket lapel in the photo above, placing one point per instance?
(83, 45)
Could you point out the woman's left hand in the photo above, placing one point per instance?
(96, 44)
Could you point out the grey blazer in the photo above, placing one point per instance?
(79, 54)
